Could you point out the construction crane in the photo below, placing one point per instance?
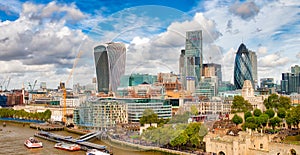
(2, 83)
(31, 87)
(64, 118)
(7, 84)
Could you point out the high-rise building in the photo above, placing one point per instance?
(290, 83)
(212, 69)
(242, 67)
(295, 69)
(267, 83)
(253, 59)
(193, 58)
(207, 87)
(181, 62)
(110, 65)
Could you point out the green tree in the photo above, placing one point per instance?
(281, 113)
(179, 140)
(271, 101)
(275, 101)
(284, 102)
(247, 114)
(275, 122)
(180, 118)
(257, 112)
(263, 119)
(239, 104)
(270, 113)
(293, 116)
(237, 119)
(194, 110)
(195, 132)
(149, 117)
(250, 123)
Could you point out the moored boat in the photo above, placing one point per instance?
(96, 152)
(68, 147)
(33, 143)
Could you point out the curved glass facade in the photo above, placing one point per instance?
(110, 65)
(242, 67)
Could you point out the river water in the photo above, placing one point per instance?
(13, 135)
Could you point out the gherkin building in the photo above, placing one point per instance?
(242, 67)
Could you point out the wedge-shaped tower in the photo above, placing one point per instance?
(110, 65)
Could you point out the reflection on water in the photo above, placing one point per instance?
(12, 139)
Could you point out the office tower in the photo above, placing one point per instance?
(181, 62)
(208, 87)
(267, 83)
(110, 65)
(193, 58)
(295, 69)
(290, 83)
(242, 67)
(253, 59)
(212, 69)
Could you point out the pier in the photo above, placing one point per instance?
(84, 144)
(46, 127)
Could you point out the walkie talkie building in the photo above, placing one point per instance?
(242, 67)
(110, 65)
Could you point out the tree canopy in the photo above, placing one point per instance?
(194, 110)
(247, 114)
(149, 117)
(270, 113)
(257, 112)
(239, 104)
(236, 119)
(275, 101)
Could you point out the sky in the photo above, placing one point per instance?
(53, 41)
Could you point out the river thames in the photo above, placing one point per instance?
(12, 139)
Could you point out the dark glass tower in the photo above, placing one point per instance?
(110, 65)
(242, 67)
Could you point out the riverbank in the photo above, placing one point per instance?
(21, 120)
(147, 148)
(119, 142)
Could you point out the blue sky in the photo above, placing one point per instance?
(40, 39)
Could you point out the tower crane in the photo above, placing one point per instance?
(64, 118)
(6, 86)
(31, 87)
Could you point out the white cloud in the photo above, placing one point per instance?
(261, 50)
(138, 40)
(273, 60)
(45, 46)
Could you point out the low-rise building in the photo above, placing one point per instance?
(212, 107)
(101, 114)
(247, 143)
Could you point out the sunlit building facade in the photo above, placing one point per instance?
(110, 65)
(101, 114)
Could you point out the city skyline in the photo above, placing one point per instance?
(40, 39)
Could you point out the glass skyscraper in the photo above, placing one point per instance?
(243, 67)
(192, 56)
(110, 65)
